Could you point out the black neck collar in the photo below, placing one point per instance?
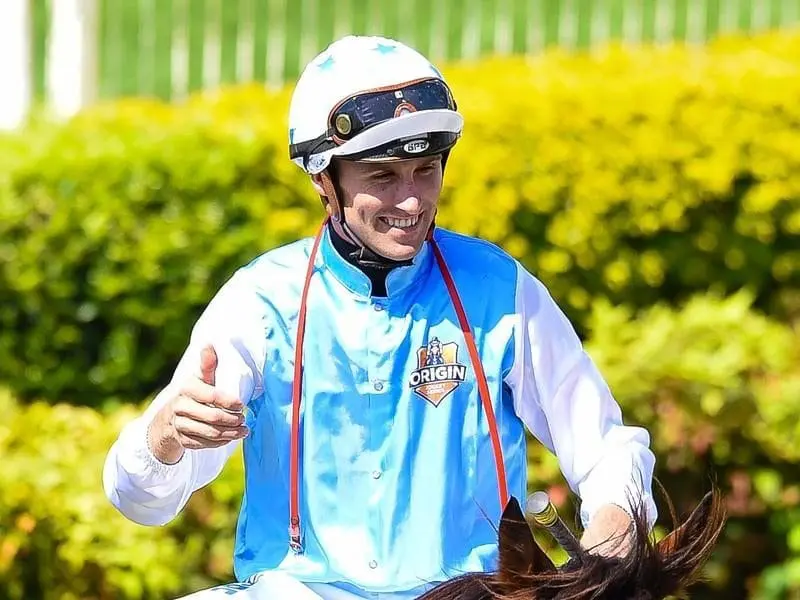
(374, 266)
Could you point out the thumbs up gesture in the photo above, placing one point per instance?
(199, 416)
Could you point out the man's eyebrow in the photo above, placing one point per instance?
(375, 171)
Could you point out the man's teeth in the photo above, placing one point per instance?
(401, 222)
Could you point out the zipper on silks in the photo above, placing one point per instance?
(295, 535)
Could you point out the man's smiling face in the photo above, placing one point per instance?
(390, 205)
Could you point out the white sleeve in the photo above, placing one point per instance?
(150, 492)
(566, 404)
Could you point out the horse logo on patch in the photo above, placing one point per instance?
(438, 371)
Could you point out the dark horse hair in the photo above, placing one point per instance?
(650, 570)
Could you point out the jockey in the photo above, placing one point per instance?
(380, 376)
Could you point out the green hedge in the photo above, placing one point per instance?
(717, 384)
(60, 539)
(629, 176)
(116, 229)
(638, 176)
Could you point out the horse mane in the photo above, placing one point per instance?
(650, 570)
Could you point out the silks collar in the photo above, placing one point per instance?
(359, 279)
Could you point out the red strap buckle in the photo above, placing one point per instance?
(295, 541)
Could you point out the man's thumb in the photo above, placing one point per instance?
(208, 364)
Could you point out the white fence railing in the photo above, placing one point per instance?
(15, 75)
(64, 54)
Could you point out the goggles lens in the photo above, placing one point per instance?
(364, 110)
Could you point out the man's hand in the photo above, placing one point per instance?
(609, 532)
(200, 416)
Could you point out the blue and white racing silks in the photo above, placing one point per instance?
(398, 485)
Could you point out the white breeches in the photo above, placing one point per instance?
(275, 585)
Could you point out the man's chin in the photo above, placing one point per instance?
(399, 252)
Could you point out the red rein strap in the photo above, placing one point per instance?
(295, 538)
(294, 445)
(483, 387)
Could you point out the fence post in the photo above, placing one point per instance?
(16, 78)
(72, 56)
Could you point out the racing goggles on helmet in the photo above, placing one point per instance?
(355, 114)
(413, 119)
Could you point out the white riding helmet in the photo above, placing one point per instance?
(370, 98)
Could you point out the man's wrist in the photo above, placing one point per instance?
(609, 531)
(162, 441)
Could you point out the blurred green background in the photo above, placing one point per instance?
(641, 157)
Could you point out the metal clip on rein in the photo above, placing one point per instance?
(544, 513)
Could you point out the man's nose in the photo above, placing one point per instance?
(410, 203)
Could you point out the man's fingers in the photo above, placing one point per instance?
(202, 392)
(208, 414)
(227, 402)
(191, 442)
(208, 365)
(199, 431)
(198, 391)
